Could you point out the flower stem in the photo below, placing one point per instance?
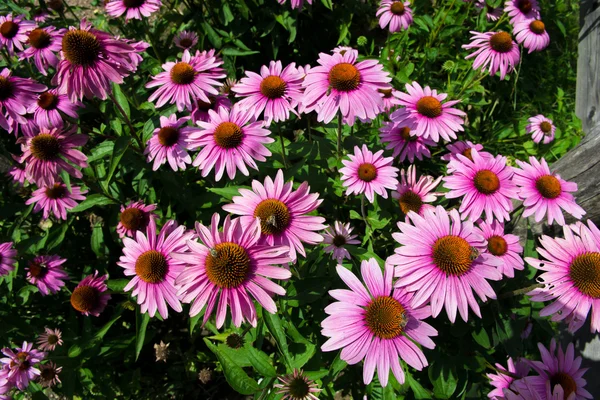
(519, 292)
(131, 130)
(285, 164)
(308, 128)
(71, 10)
(339, 136)
(363, 210)
(517, 78)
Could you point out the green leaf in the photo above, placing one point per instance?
(91, 201)
(57, 234)
(74, 351)
(276, 328)
(104, 330)
(419, 391)
(227, 192)
(212, 35)
(234, 374)
(97, 240)
(232, 51)
(140, 335)
(260, 361)
(444, 380)
(482, 338)
(121, 100)
(121, 146)
(117, 285)
(194, 321)
(103, 149)
(328, 4)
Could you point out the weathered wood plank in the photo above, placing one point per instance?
(588, 65)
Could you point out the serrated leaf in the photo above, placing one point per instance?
(234, 374)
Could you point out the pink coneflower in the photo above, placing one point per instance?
(234, 267)
(377, 323)
(169, 143)
(135, 217)
(434, 119)
(396, 14)
(44, 43)
(149, 260)
(336, 238)
(522, 10)
(413, 195)
(56, 198)
(276, 90)
(443, 260)
(368, 173)
(496, 51)
(504, 378)
(541, 128)
(560, 376)
(17, 171)
(46, 153)
(341, 83)
(7, 258)
(48, 340)
(544, 192)
(91, 60)
(13, 32)
(39, 15)
(390, 98)
(133, 9)
(187, 81)
(49, 374)
(484, 184)
(297, 386)
(186, 40)
(342, 50)
(505, 247)
(532, 34)
(47, 273)
(397, 135)
(20, 363)
(230, 141)
(16, 94)
(571, 276)
(463, 148)
(90, 297)
(296, 3)
(491, 13)
(282, 213)
(49, 108)
(201, 108)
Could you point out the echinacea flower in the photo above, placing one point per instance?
(297, 386)
(544, 192)
(49, 374)
(368, 173)
(390, 98)
(7, 258)
(541, 128)
(48, 340)
(13, 32)
(56, 198)
(463, 148)
(570, 276)
(434, 119)
(415, 195)
(230, 268)
(39, 15)
(395, 13)
(17, 171)
(20, 362)
(200, 109)
(133, 9)
(496, 51)
(484, 184)
(46, 153)
(49, 108)
(44, 44)
(504, 378)
(296, 3)
(186, 40)
(276, 91)
(170, 143)
(187, 81)
(135, 217)
(340, 83)
(47, 273)
(532, 35)
(522, 10)
(149, 260)
(397, 135)
(443, 260)
(230, 141)
(90, 297)
(336, 238)
(492, 13)
(16, 94)
(505, 247)
(91, 60)
(282, 212)
(377, 323)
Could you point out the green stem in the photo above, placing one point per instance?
(517, 78)
(128, 122)
(519, 292)
(339, 136)
(71, 10)
(285, 164)
(151, 41)
(471, 83)
(363, 210)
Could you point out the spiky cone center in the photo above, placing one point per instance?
(546, 127)
(497, 245)
(133, 3)
(344, 77)
(339, 240)
(235, 341)
(273, 87)
(48, 373)
(467, 153)
(45, 147)
(6, 88)
(183, 73)
(566, 381)
(524, 6)
(37, 270)
(397, 8)
(585, 273)
(9, 29)
(410, 201)
(452, 255)
(387, 93)
(134, 219)
(186, 42)
(39, 38)
(429, 106)
(501, 42)
(548, 186)
(81, 48)
(367, 172)
(228, 135)
(204, 106)
(227, 265)
(298, 387)
(152, 266)
(537, 27)
(385, 317)
(47, 101)
(85, 298)
(56, 191)
(274, 216)
(22, 360)
(486, 182)
(406, 136)
(52, 339)
(168, 136)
